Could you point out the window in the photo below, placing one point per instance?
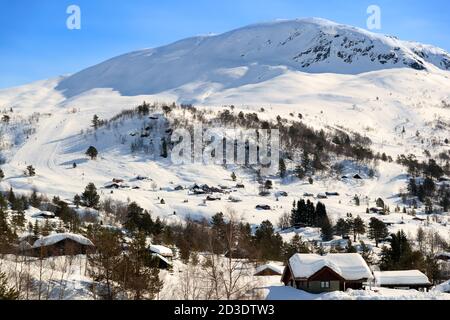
(325, 284)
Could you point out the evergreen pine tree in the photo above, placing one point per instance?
(282, 168)
(77, 200)
(134, 217)
(358, 227)
(296, 245)
(95, 122)
(326, 230)
(31, 171)
(164, 151)
(218, 226)
(311, 214)
(92, 152)
(11, 196)
(6, 292)
(306, 162)
(139, 275)
(445, 201)
(36, 228)
(3, 202)
(90, 196)
(35, 200)
(342, 228)
(377, 230)
(300, 172)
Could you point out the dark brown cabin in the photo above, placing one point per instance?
(326, 279)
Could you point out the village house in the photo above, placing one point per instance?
(61, 244)
(403, 279)
(269, 269)
(161, 256)
(161, 250)
(237, 253)
(334, 272)
(443, 256)
(44, 215)
(378, 210)
(48, 206)
(160, 262)
(443, 259)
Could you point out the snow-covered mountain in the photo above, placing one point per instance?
(255, 54)
(312, 71)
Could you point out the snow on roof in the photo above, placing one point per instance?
(164, 251)
(163, 259)
(43, 214)
(350, 266)
(270, 266)
(443, 254)
(400, 277)
(55, 238)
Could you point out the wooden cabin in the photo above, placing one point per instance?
(403, 279)
(160, 262)
(334, 272)
(44, 215)
(162, 251)
(268, 270)
(61, 244)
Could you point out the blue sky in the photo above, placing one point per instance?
(35, 43)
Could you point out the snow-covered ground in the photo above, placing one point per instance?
(67, 279)
(63, 136)
(289, 293)
(375, 99)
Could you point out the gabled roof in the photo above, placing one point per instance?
(55, 238)
(350, 266)
(162, 258)
(164, 251)
(403, 277)
(270, 266)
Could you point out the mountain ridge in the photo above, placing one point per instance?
(254, 54)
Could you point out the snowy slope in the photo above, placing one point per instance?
(255, 54)
(376, 104)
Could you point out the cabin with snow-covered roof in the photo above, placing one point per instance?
(402, 279)
(443, 256)
(160, 262)
(333, 272)
(61, 244)
(269, 269)
(161, 250)
(44, 215)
